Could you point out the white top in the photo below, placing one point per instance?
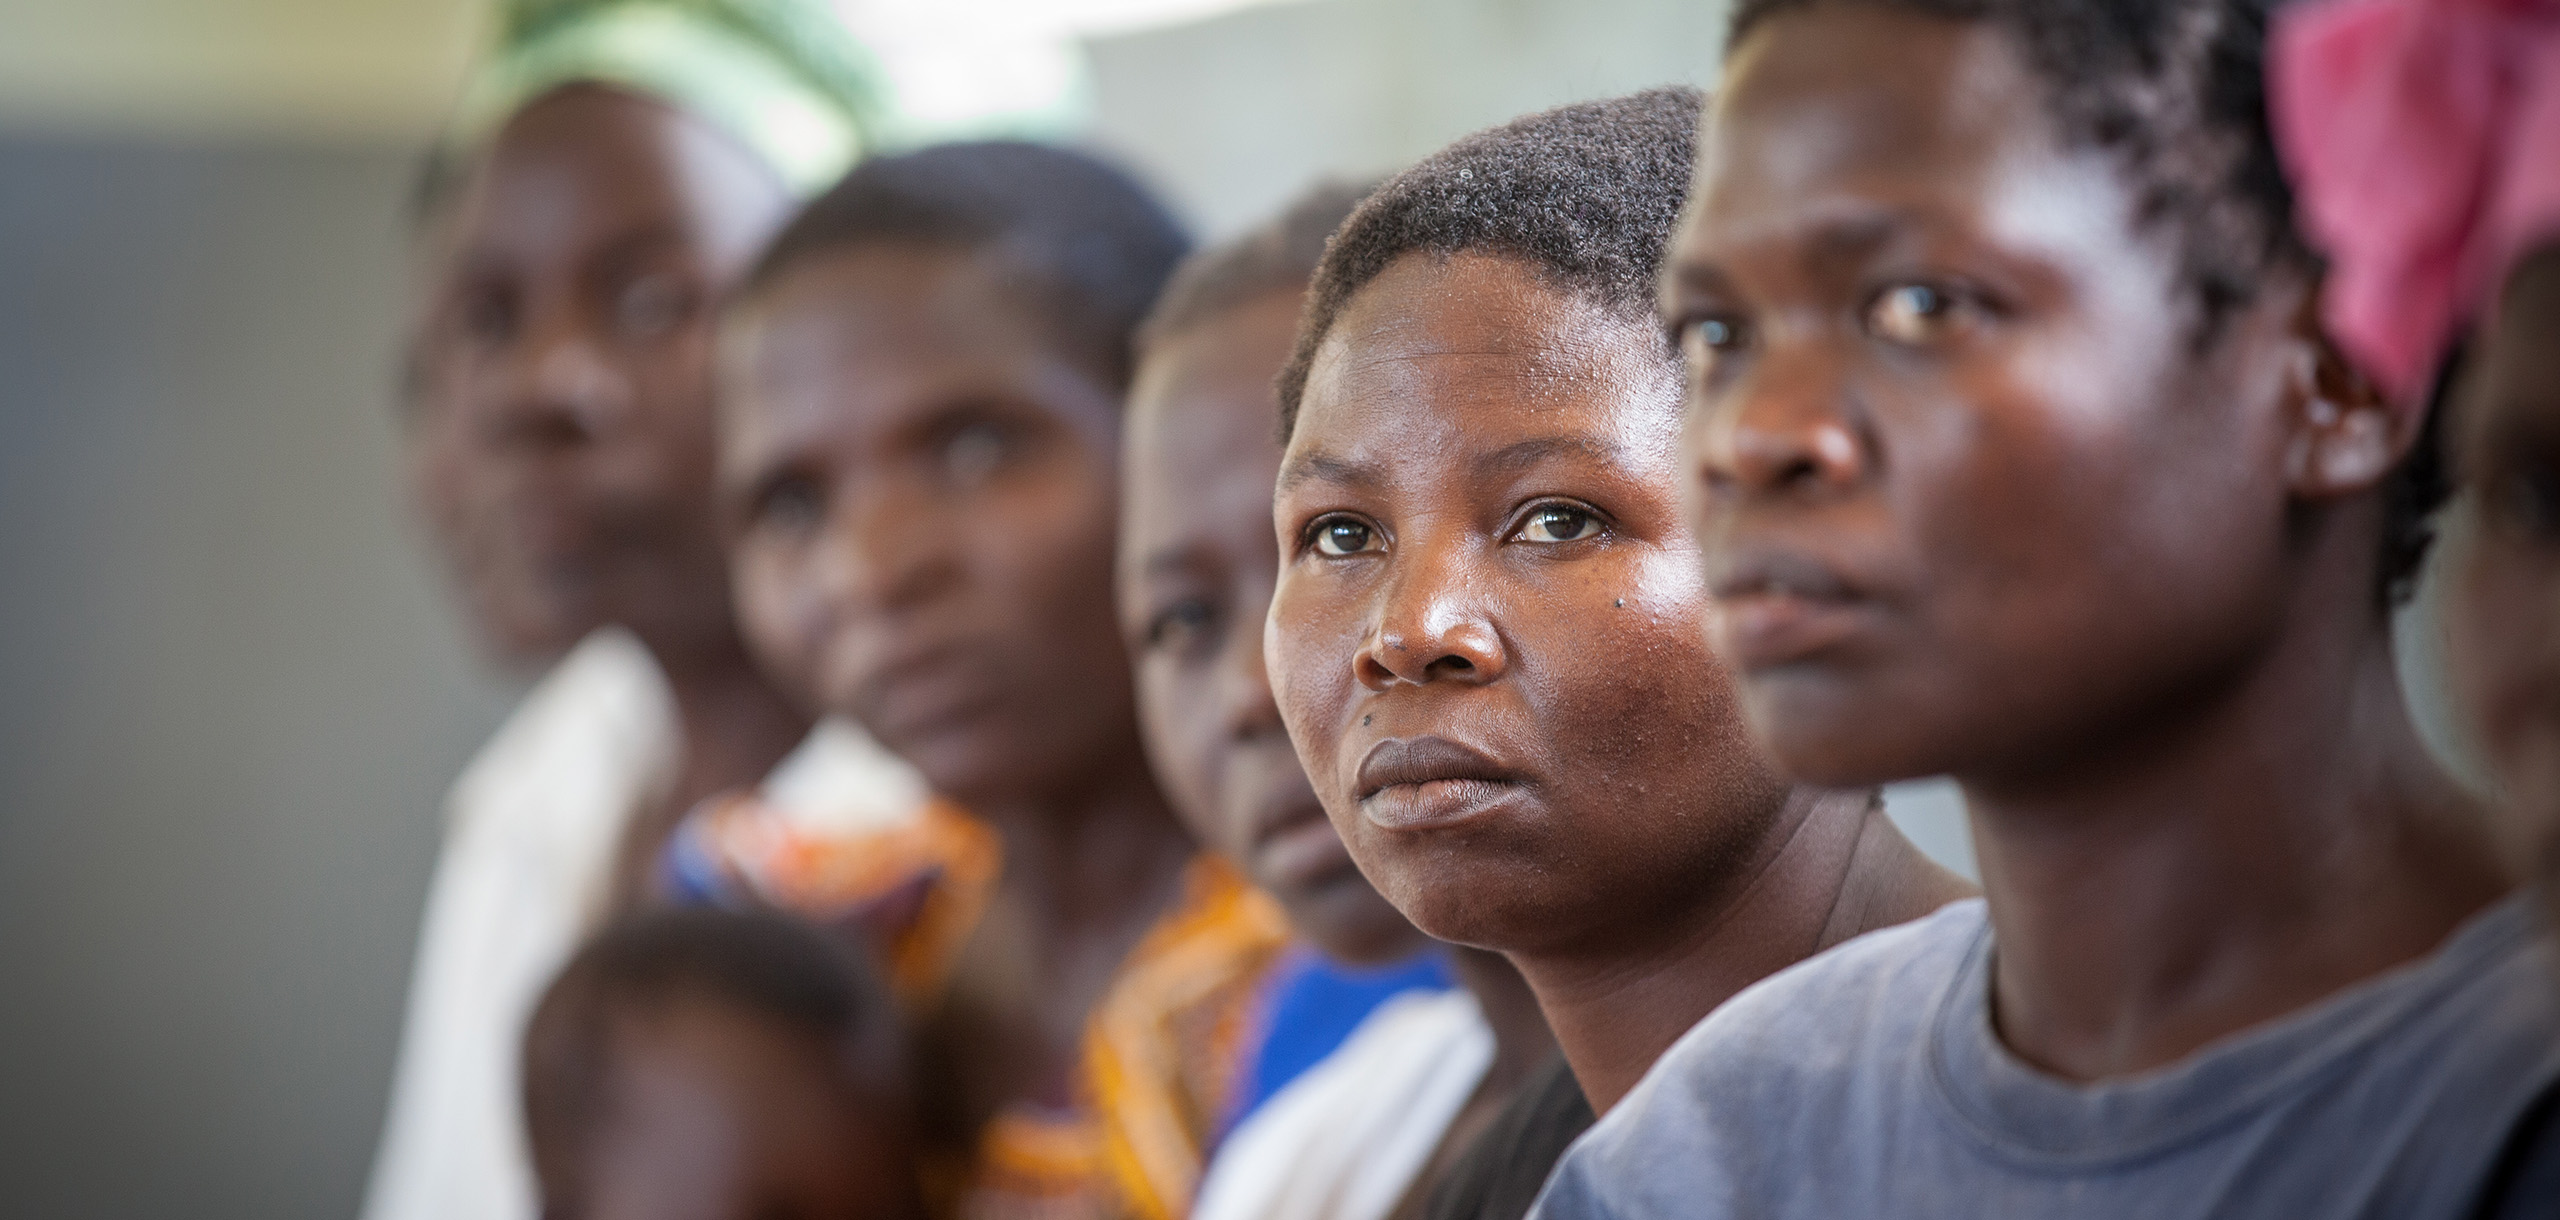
(1348, 1137)
(533, 825)
(528, 850)
(843, 782)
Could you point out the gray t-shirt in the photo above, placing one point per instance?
(1868, 1082)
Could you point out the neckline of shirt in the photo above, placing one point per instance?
(2019, 1113)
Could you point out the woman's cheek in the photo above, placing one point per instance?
(1183, 739)
(773, 612)
(1299, 643)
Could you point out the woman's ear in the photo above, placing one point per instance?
(2346, 436)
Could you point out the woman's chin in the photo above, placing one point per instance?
(1351, 923)
(1481, 913)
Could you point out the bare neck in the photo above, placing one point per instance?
(733, 725)
(1834, 867)
(1091, 866)
(2254, 852)
(1088, 870)
(731, 728)
(1521, 1040)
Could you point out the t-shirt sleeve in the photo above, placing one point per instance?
(2526, 1183)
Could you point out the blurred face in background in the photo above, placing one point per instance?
(2504, 619)
(1197, 562)
(560, 439)
(922, 489)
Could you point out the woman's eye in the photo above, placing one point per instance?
(971, 454)
(1714, 334)
(794, 506)
(1344, 536)
(1559, 523)
(1179, 623)
(1914, 314)
(1705, 341)
(488, 316)
(652, 306)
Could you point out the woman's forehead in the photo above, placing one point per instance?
(1826, 100)
(1827, 171)
(1478, 347)
(1424, 411)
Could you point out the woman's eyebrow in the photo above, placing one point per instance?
(638, 246)
(1180, 558)
(1520, 456)
(1838, 246)
(1687, 273)
(1321, 465)
(1828, 240)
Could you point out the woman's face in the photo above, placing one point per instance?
(1488, 638)
(922, 492)
(561, 429)
(2504, 617)
(1975, 496)
(1196, 567)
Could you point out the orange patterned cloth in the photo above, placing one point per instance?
(1162, 1050)
(938, 865)
(1162, 1053)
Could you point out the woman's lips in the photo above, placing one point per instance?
(1778, 609)
(1411, 783)
(922, 692)
(1301, 853)
(1290, 841)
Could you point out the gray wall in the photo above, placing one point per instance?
(232, 691)
(1235, 115)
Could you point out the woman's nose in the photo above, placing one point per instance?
(1431, 625)
(1786, 431)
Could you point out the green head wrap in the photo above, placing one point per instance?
(783, 77)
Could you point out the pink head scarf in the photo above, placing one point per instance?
(2424, 141)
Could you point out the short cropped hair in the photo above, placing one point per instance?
(2175, 91)
(1586, 195)
(1280, 255)
(767, 965)
(1091, 245)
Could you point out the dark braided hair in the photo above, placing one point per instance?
(1090, 245)
(2174, 91)
(1586, 194)
(1280, 255)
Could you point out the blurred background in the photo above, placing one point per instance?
(234, 686)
